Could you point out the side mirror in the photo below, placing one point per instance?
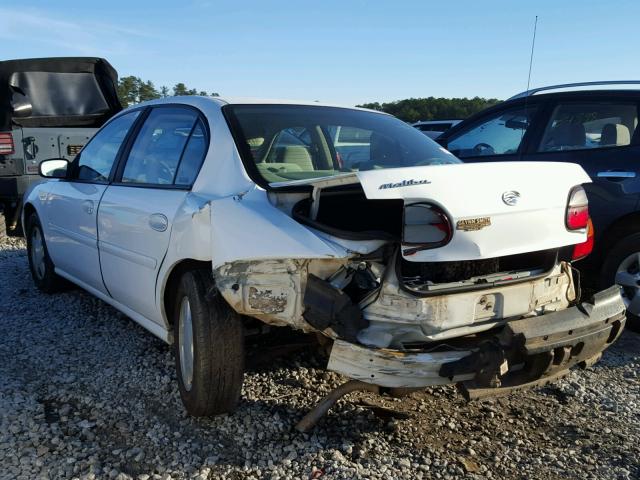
(54, 168)
(21, 105)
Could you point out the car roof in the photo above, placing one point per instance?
(199, 100)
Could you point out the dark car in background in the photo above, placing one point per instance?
(595, 127)
(434, 128)
(49, 108)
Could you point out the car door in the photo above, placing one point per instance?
(71, 205)
(136, 212)
(600, 134)
(499, 135)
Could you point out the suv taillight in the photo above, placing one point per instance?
(577, 216)
(6, 143)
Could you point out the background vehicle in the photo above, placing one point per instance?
(252, 216)
(435, 128)
(49, 107)
(594, 127)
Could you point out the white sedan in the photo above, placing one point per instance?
(196, 216)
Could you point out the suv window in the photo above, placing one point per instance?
(97, 157)
(158, 148)
(578, 126)
(501, 134)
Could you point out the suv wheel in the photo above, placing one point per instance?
(622, 267)
(208, 347)
(40, 264)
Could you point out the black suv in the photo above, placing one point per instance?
(595, 128)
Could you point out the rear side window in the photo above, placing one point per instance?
(580, 126)
(97, 157)
(501, 134)
(162, 142)
(193, 156)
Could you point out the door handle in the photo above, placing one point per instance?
(87, 206)
(615, 174)
(158, 222)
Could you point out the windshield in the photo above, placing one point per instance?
(281, 143)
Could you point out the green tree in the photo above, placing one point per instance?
(164, 91)
(132, 90)
(432, 108)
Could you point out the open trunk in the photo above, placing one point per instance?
(493, 210)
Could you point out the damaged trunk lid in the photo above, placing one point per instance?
(493, 209)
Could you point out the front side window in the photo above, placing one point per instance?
(159, 146)
(97, 157)
(501, 134)
(580, 126)
(295, 142)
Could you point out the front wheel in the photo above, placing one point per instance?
(622, 267)
(208, 347)
(40, 264)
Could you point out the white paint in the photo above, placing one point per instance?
(226, 218)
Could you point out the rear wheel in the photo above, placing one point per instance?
(40, 264)
(208, 347)
(622, 267)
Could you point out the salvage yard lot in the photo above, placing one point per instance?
(87, 393)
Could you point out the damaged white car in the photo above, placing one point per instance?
(193, 214)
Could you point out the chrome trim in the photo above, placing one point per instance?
(533, 91)
(616, 174)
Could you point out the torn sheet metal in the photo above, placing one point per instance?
(397, 316)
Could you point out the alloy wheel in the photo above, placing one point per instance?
(37, 253)
(185, 332)
(628, 278)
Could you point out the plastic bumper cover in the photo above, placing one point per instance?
(522, 353)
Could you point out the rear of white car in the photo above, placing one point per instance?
(442, 272)
(350, 224)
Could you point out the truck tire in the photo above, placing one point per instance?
(208, 346)
(40, 264)
(622, 267)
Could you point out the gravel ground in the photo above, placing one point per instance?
(86, 393)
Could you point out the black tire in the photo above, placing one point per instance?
(3, 227)
(621, 251)
(218, 347)
(7, 216)
(45, 277)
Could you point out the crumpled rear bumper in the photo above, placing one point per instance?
(522, 353)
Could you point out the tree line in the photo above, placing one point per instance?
(132, 90)
(432, 108)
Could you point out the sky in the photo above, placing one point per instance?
(340, 51)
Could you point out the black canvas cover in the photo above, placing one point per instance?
(64, 91)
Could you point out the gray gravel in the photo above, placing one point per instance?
(86, 393)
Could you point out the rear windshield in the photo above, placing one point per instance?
(53, 94)
(281, 143)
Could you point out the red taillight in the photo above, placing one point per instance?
(583, 249)
(577, 209)
(6, 143)
(425, 226)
